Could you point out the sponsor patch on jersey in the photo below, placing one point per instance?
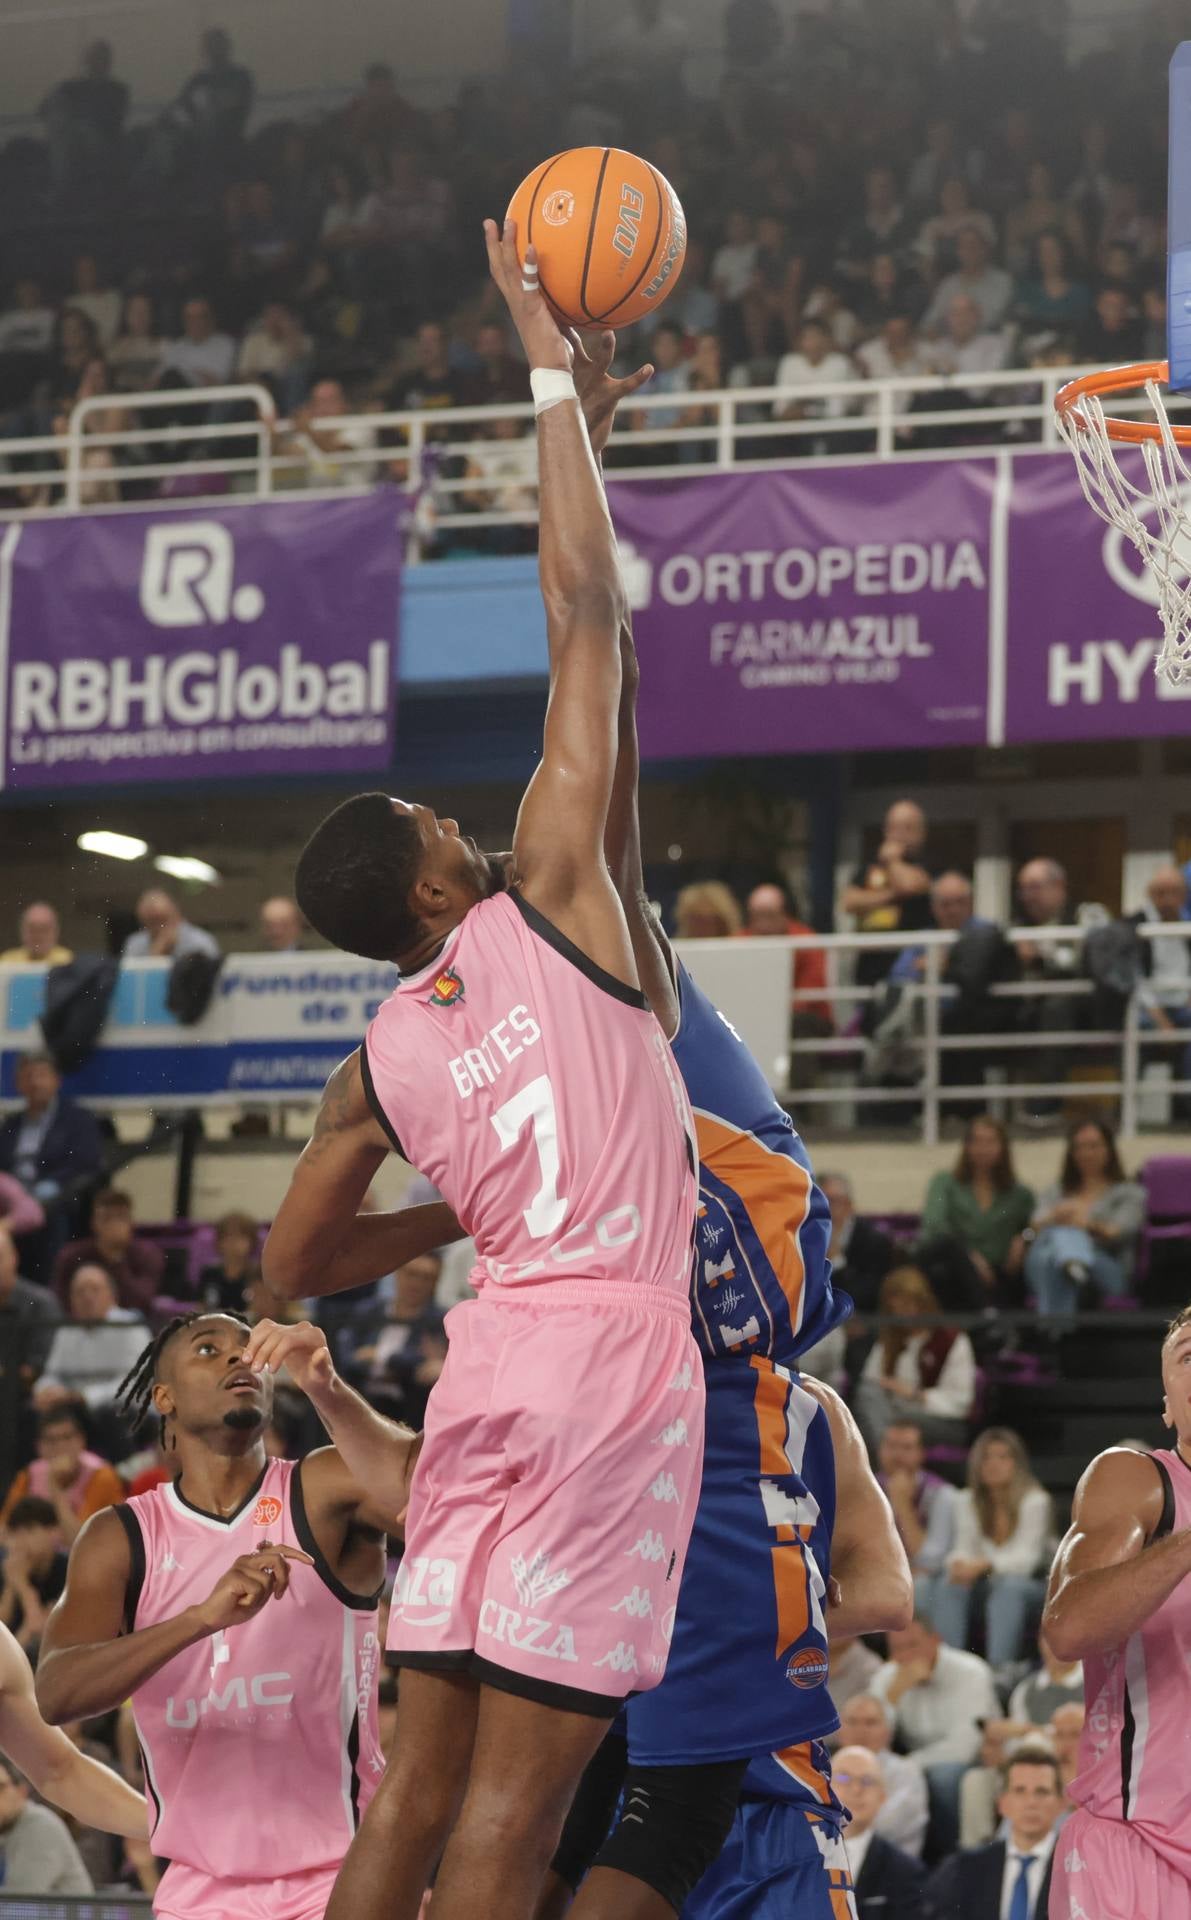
(448, 989)
(808, 1668)
(267, 1511)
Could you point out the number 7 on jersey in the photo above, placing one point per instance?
(535, 1105)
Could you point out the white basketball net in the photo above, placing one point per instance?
(1156, 518)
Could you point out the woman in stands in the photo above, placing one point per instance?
(1085, 1230)
(707, 911)
(981, 1209)
(1004, 1537)
(923, 1374)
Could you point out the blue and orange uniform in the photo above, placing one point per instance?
(747, 1672)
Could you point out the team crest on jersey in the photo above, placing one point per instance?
(448, 989)
(808, 1668)
(267, 1512)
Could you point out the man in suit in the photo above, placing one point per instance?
(861, 1255)
(888, 1883)
(1009, 1880)
(53, 1148)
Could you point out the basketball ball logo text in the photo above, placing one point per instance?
(628, 224)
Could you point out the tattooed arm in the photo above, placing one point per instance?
(320, 1242)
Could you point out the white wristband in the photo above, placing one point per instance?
(549, 385)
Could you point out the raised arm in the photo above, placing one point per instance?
(559, 840)
(1107, 1580)
(89, 1664)
(875, 1589)
(600, 395)
(89, 1792)
(367, 1469)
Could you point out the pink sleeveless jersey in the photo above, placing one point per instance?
(540, 1096)
(1135, 1753)
(260, 1743)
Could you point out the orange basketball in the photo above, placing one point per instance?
(610, 234)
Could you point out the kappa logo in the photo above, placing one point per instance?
(663, 1488)
(808, 1669)
(267, 1511)
(447, 990)
(676, 1434)
(666, 1624)
(168, 1564)
(558, 207)
(535, 1582)
(622, 1658)
(684, 1379)
(187, 577)
(638, 1604)
(650, 1546)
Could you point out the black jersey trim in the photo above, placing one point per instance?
(1128, 1730)
(223, 1519)
(353, 1754)
(547, 931)
(449, 1660)
(359, 1602)
(1165, 1524)
(373, 1099)
(134, 1585)
(547, 1693)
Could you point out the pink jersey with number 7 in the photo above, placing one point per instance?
(540, 1096)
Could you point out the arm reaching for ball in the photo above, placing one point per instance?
(370, 1462)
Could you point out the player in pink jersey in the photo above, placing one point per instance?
(519, 1066)
(1120, 1601)
(257, 1724)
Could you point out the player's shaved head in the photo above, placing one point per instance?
(355, 876)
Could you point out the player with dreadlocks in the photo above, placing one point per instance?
(168, 1601)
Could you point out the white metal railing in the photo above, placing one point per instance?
(750, 980)
(806, 1058)
(428, 453)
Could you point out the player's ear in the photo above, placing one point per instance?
(1167, 1415)
(427, 895)
(163, 1400)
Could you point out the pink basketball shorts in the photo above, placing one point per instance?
(1105, 1870)
(187, 1894)
(554, 1496)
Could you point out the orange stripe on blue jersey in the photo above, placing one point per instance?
(762, 1280)
(803, 1764)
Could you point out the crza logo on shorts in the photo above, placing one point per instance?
(425, 1591)
(527, 1632)
(262, 1690)
(187, 577)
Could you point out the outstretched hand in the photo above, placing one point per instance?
(543, 340)
(599, 394)
(302, 1348)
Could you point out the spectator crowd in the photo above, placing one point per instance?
(883, 192)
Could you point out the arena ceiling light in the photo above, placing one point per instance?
(117, 846)
(181, 866)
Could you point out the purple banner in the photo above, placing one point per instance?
(199, 645)
(1082, 615)
(911, 604)
(812, 611)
